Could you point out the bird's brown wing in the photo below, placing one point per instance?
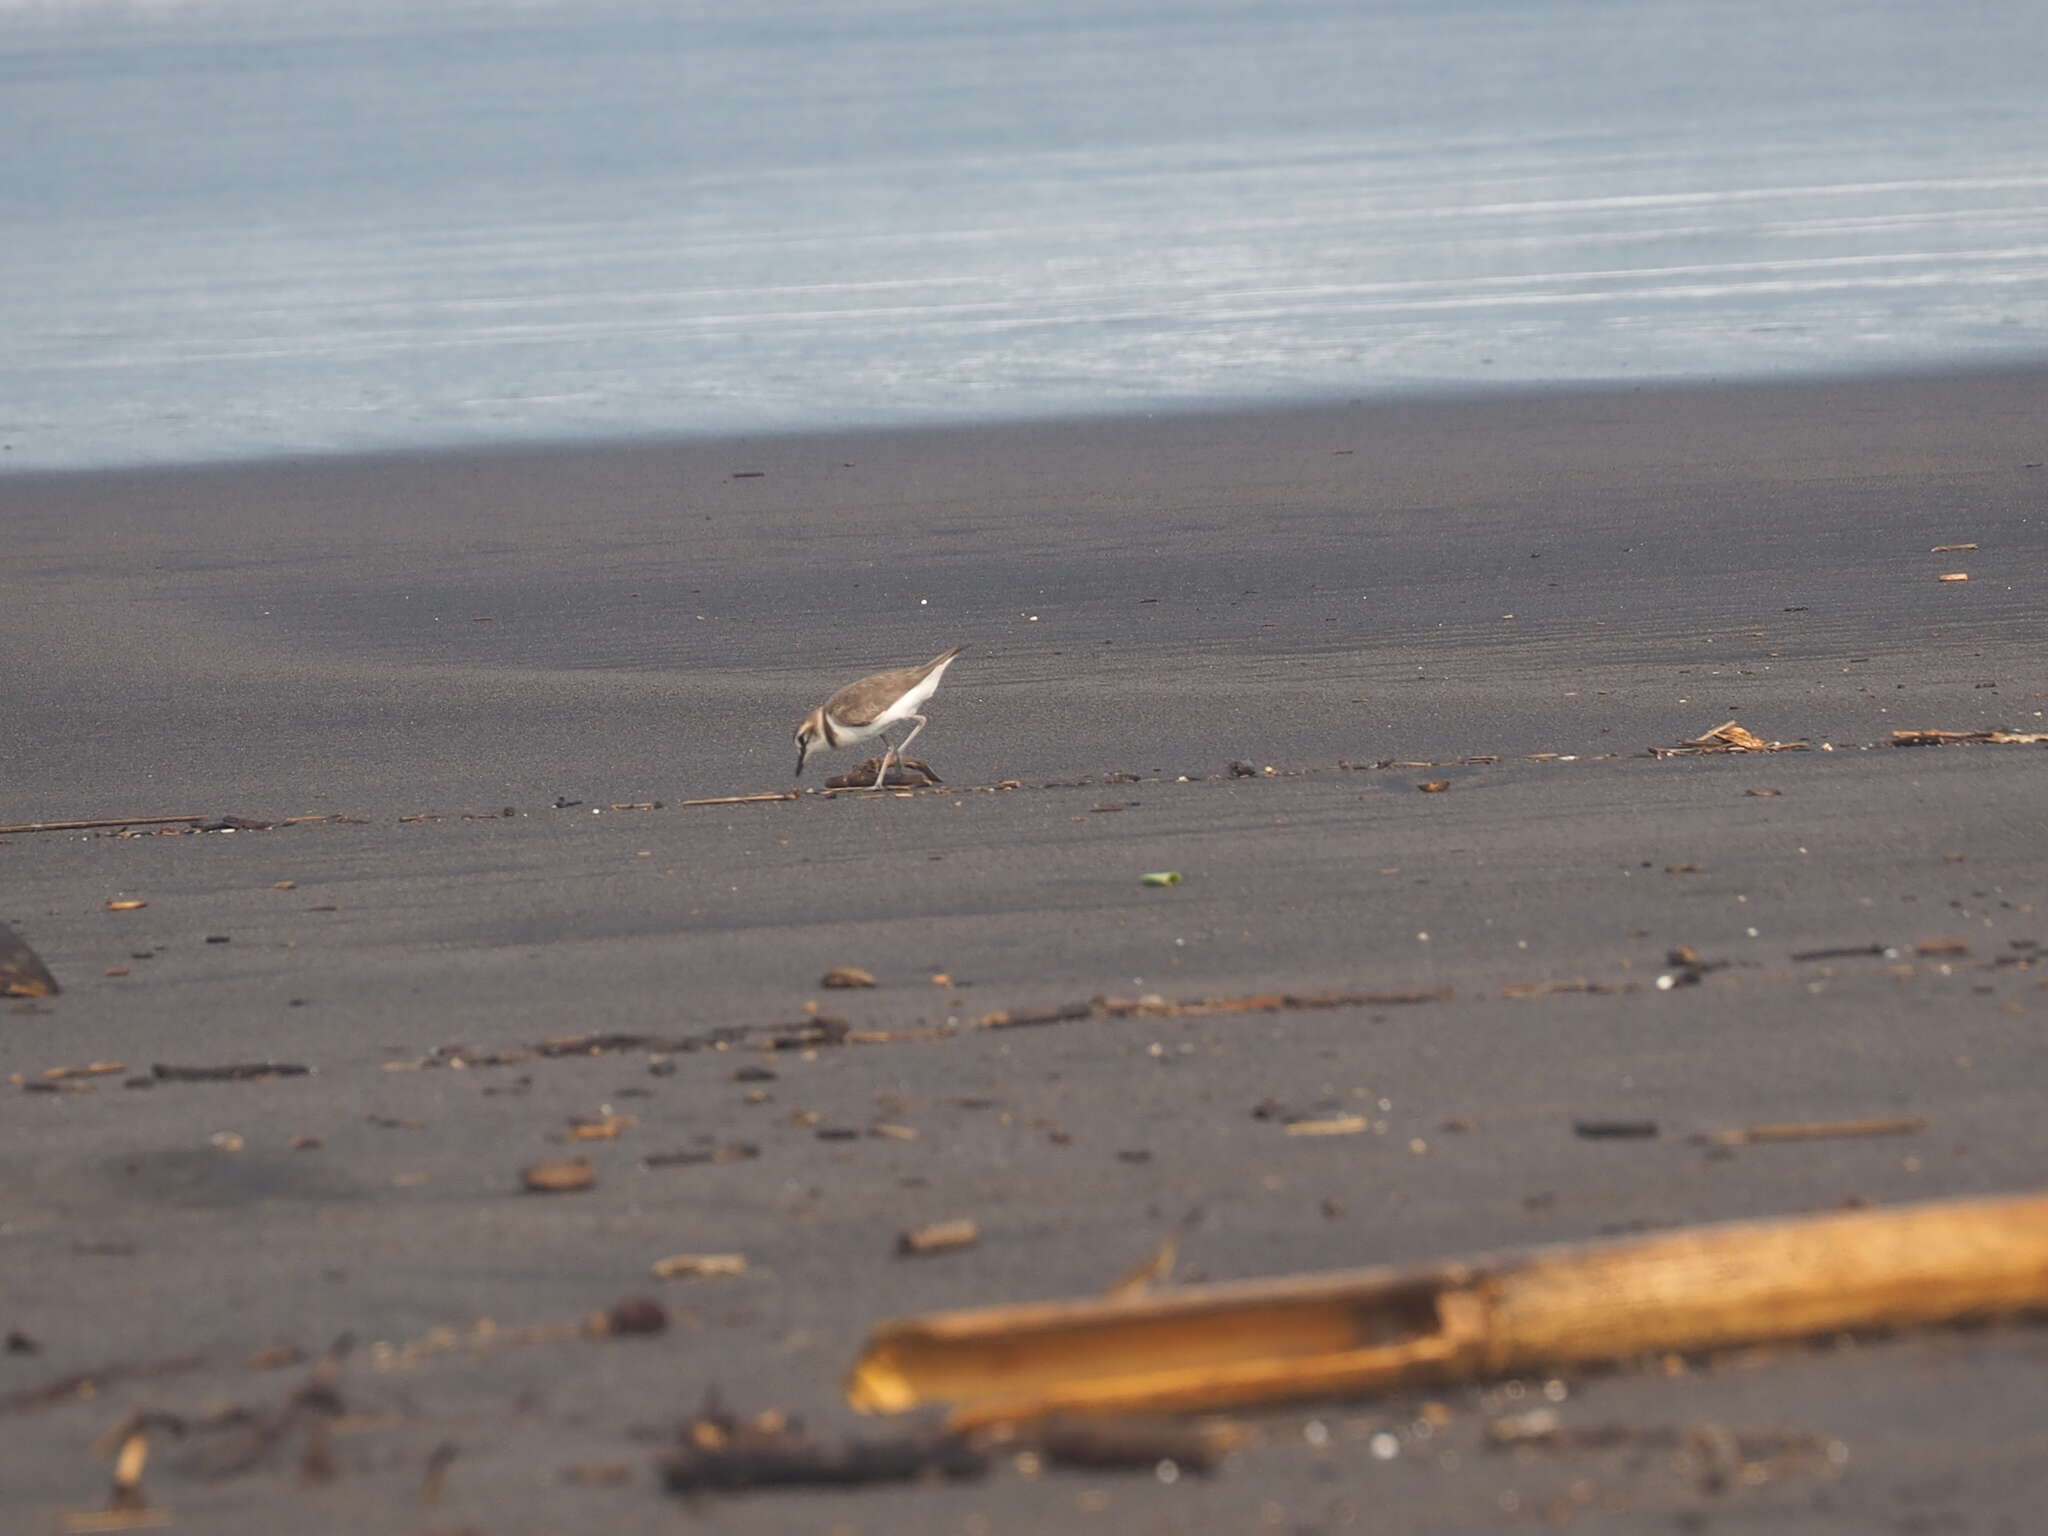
(859, 703)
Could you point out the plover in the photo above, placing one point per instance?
(869, 707)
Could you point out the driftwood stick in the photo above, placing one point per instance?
(103, 821)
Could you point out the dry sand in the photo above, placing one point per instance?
(413, 646)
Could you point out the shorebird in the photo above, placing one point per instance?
(869, 707)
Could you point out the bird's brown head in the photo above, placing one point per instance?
(809, 735)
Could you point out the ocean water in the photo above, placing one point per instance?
(250, 227)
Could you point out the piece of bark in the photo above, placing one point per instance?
(633, 1314)
(559, 1176)
(904, 773)
(1728, 736)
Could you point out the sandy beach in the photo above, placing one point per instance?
(469, 695)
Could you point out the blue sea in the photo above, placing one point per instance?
(236, 228)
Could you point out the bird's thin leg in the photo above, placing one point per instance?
(904, 745)
(882, 772)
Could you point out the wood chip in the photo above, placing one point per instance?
(602, 1128)
(562, 1175)
(1950, 549)
(1434, 786)
(1336, 1125)
(128, 1464)
(699, 1266)
(1953, 576)
(1158, 1266)
(847, 976)
(126, 904)
(94, 1069)
(1942, 947)
(939, 1237)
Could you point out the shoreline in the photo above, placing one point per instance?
(1403, 395)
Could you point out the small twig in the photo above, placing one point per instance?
(237, 1072)
(436, 1482)
(103, 821)
(85, 1384)
(1816, 1130)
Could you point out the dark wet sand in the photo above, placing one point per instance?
(1583, 576)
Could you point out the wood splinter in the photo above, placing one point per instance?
(127, 1507)
(1816, 1130)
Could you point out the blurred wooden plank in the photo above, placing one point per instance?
(1347, 1332)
